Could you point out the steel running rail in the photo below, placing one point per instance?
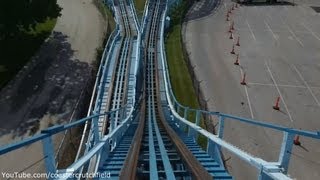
(167, 156)
(119, 93)
(120, 78)
(105, 88)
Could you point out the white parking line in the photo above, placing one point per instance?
(295, 36)
(306, 84)
(276, 85)
(283, 85)
(290, 30)
(254, 37)
(269, 9)
(274, 36)
(280, 85)
(313, 33)
(247, 94)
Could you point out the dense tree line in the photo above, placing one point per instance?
(23, 15)
(19, 37)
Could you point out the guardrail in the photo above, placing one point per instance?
(144, 17)
(275, 170)
(46, 135)
(137, 23)
(97, 92)
(94, 135)
(131, 102)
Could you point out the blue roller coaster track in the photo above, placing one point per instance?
(136, 128)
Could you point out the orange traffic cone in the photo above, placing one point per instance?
(237, 60)
(243, 81)
(231, 35)
(296, 141)
(232, 26)
(276, 106)
(232, 51)
(230, 31)
(238, 41)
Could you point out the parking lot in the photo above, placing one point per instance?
(279, 54)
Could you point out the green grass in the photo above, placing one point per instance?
(106, 13)
(111, 25)
(111, 21)
(139, 5)
(16, 51)
(44, 27)
(179, 74)
(180, 77)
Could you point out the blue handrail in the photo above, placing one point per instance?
(49, 132)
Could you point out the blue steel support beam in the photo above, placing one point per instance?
(185, 115)
(111, 121)
(84, 160)
(193, 133)
(197, 121)
(263, 175)
(286, 149)
(96, 130)
(213, 150)
(178, 108)
(221, 127)
(48, 153)
(174, 119)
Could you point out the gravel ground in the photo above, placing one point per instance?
(46, 90)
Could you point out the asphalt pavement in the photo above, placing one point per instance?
(279, 54)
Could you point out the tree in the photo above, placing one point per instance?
(22, 15)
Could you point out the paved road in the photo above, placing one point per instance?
(202, 8)
(48, 88)
(279, 53)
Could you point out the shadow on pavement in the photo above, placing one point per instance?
(45, 91)
(267, 3)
